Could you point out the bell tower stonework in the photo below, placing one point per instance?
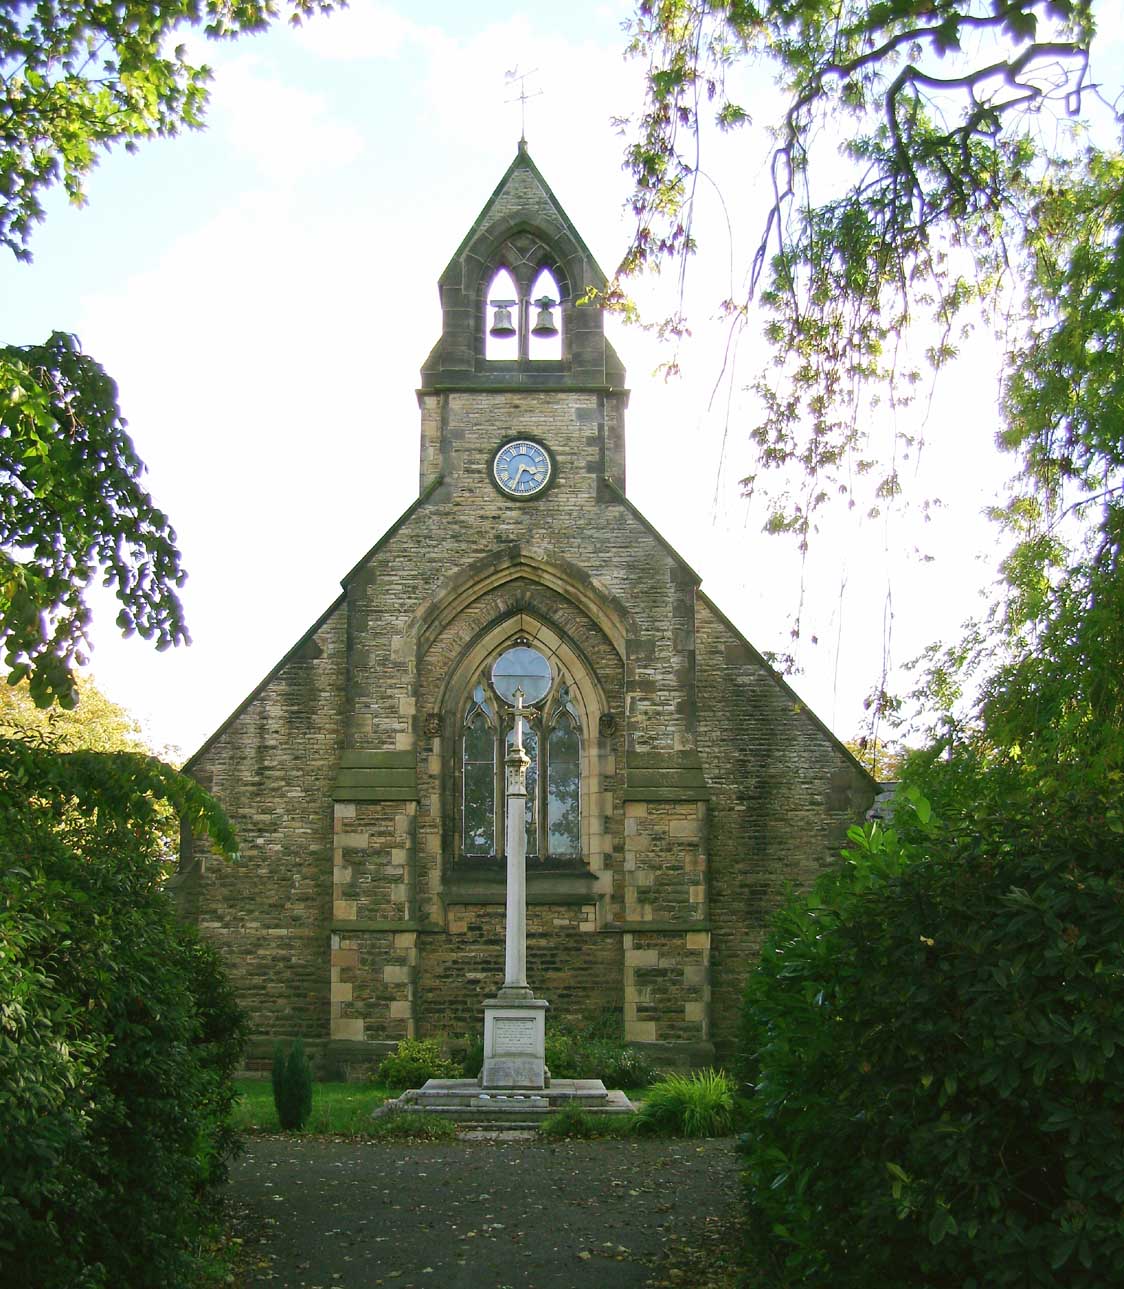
(675, 784)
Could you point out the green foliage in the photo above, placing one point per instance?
(968, 182)
(699, 1104)
(76, 78)
(72, 508)
(405, 1125)
(931, 1040)
(570, 1055)
(414, 1061)
(292, 1086)
(472, 1055)
(98, 725)
(573, 1123)
(118, 1031)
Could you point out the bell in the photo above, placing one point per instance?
(502, 327)
(544, 326)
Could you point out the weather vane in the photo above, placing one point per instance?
(521, 98)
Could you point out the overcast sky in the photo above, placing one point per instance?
(264, 293)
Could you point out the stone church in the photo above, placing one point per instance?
(676, 783)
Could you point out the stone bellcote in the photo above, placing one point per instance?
(521, 231)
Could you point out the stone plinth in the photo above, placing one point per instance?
(514, 1043)
(463, 1101)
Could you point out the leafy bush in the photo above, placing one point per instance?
(414, 1061)
(118, 1033)
(933, 1040)
(564, 1056)
(292, 1086)
(472, 1055)
(617, 1065)
(574, 1056)
(699, 1104)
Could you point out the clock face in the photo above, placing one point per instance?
(522, 468)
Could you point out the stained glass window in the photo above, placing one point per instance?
(479, 778)
(563, 777)
(552, 741)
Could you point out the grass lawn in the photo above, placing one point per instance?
(336, 1107)
(341, 1108)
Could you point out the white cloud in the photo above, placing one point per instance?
(289, 133)
(365, 30)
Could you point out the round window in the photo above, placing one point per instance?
(521, 668)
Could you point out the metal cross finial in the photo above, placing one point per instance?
(521, 98)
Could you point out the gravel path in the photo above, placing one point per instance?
(349, 1214)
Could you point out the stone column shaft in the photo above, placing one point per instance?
(515, 942)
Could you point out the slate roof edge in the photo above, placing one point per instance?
(802, 707)
(638, 515)
(394, 527)
(522, 161)
(276, 669)
(273, 672)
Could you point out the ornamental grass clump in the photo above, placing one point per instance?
(699, 1104)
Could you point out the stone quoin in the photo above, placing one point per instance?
(676, 784)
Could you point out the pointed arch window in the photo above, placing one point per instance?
(522, 319)
(502, 318)
(551, 738)
(544, 341)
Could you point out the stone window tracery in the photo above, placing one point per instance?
(552, 738)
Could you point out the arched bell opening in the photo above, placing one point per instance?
(545, 316)
(502, 318)
(523, 315)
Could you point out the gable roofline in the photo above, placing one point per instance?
(271, 675)
(638, 515)
(801, 707)
(276, 670)
(522, 161)
(410, 510)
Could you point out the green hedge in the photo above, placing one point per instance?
(118, 1036)
(935, 1045)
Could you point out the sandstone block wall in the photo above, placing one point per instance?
(272, 767)
(784, 793)
(706, 787)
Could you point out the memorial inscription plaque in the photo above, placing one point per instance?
(512, 1035)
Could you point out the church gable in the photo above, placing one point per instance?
(674, 784)
(521, 231)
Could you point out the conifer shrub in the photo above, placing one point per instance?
(932, 1044)
(292, 1086)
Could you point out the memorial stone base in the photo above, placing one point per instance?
(466, 1103)
(514, 1043)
